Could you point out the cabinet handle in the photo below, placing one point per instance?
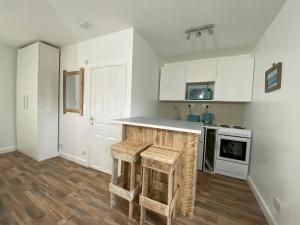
(92, 121)
(27, 102)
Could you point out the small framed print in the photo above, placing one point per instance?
(273, 78)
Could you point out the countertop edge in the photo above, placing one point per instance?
(211, 127)
(158, 126)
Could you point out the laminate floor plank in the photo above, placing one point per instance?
(58, 191)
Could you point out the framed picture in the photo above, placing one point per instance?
(273, 78)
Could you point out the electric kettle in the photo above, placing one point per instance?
(208, 118)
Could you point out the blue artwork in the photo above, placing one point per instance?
(273, 78)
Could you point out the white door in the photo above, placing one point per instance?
(27, 89)
(172, 82)
(21, 101)
(108, 99)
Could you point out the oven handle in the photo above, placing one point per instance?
(233, 138)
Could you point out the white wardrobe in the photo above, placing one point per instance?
(37, 101)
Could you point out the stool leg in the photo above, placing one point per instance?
(175, 186)
(144, 192)
(170, 195)
(151, 183)
(132, 186)
(114, 180)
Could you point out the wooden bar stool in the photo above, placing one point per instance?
(162, 160)
(128, 152)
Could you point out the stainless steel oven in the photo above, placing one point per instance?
(234, 145)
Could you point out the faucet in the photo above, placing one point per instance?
(177, 112)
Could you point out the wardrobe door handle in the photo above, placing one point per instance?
(92, 121)
(27, 102)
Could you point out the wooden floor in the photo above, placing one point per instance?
(61, 192)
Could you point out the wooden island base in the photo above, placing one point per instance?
(183, 142)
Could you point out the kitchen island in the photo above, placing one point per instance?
(181, 136)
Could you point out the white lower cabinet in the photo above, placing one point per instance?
(234, 80)
(172, 82)
(200, 152)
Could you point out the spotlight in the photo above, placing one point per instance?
(188, 36)
(198, 34)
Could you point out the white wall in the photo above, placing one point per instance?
(74, 129)
(217, 53)
(275, 120)
(145, 79)
(8, 64)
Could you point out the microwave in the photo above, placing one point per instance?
(198, 92)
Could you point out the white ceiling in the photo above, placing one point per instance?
(239, 23)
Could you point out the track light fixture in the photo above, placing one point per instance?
(198, 31)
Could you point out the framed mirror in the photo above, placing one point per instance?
(73, 91)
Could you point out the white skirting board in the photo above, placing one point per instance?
(75, 159)
(48, 156)
(264, 207)
(8, 149)
(85, 163)
(105, 170)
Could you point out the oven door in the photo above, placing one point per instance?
(233, 149)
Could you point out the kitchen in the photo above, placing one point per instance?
(224, 81)
(120, 113)
(220, 148)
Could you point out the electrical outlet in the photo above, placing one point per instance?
(83, 152)
(276, 204)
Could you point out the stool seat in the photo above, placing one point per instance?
(163, 155)
(128, 150)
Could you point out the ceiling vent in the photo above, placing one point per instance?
(84, 24)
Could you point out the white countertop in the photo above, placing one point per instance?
(165, 124)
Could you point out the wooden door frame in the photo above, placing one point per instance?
(89, 69)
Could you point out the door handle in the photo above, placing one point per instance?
(92, 120)
(27, 102)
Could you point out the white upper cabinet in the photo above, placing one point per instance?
(172, 82)
(234, 80)
(231, 78)
(204, 71)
